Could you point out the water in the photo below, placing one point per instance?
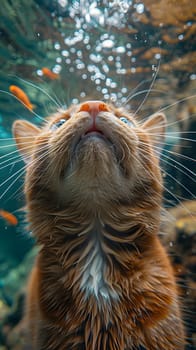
(131, 53)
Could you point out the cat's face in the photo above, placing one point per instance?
(92, 152)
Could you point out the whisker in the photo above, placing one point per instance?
(8, 154)
(143, 92)
(180, 155)
(182, 171)
(172, 105)
(159, 151)
(149, 90)
(16, 149)
(16, 160)
(135, 89)
(169, 175)
(181, 132)
(20, 172)
(177, 137)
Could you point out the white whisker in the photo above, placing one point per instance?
(149, 90)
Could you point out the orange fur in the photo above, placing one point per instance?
(102, 280)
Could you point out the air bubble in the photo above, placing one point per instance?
(98, 48)
(79, 53)
(124, 6)
(140, 8)
(108, 82)
(123, 99)
(157, 56)
(113, 97)
(65, 53)
(192, 76)
(95, 58)
(120, 49)
(80, 66)
(110, 58)
(121, 71)
(124, 90)
(113, 85)
(39, 72)
(75, 101)
(57, 68)
(57, 46)
(105, 68)
(63, 3)
(107, 44)
(86, 40)
(59, 60)
(97, 81)
(181, 37)
(118, 65)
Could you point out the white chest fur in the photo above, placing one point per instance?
(93, 275)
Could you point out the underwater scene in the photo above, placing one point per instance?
(136, 55)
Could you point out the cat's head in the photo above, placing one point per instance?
(92, 153)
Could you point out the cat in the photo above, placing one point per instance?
(101, 280)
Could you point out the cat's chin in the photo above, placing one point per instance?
(92, 142)
(97, 134)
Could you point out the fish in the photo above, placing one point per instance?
(9, 217)
(22, 96)
(49, 74)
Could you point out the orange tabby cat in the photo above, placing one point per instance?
(102, 280)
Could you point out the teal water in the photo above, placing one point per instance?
(104, 50)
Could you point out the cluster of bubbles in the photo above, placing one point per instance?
(97, 49)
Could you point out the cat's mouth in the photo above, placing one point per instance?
(94, 132)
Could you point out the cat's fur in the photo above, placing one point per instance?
(102, 280)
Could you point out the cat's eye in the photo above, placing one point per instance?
(127, 121)
(58, 124)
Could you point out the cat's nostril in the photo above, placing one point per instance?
(84, 107)
(94, 107)
(103, 107)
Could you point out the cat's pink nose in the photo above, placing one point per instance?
(93, 108)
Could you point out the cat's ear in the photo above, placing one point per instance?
(25, 134)
(156, 128)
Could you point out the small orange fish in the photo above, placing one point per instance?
(9, 217)
(49, 74)
(20, 94)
